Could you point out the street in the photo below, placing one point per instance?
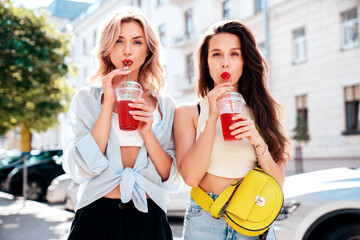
(43, 221)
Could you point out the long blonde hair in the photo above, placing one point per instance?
(151, 75)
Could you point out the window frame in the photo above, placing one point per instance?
(346, 26)
(189, 67)
(258, 6)
(302, 110)
(162, 34)
(352, 109)
(299, 46)
(189, 22)
(226, 9)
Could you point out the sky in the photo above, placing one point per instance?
(32, 4)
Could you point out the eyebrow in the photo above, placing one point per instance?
(216, 49)
(137, 37)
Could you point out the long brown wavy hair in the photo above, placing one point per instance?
(252, 85)
(151, 75)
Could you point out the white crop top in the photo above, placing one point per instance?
(133, 138)
(230, 159)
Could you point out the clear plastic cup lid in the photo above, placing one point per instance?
(231, 96)
(130, 85)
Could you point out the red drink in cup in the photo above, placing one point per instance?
(126, 92)
(126, 121)
(230, 104)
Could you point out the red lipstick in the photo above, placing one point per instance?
(127, 61)
(225, 75)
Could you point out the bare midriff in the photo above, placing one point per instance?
(215, 184)
(128, 156)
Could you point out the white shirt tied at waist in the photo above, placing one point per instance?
(130, 181)
(99, 173)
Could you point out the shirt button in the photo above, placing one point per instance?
(121, 206)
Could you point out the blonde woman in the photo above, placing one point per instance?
(123, 175)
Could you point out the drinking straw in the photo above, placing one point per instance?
(232, 110)
(127, 77)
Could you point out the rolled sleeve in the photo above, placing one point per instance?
(89, 150)
(82, 156)
(175, 182)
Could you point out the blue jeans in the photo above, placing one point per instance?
(199, 224)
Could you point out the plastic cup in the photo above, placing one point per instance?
(230, 104)
(125, 93)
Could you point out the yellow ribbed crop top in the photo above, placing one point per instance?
(229, 159)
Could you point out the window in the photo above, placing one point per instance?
(84, 45)
(190, 67)
(188, 22)
(352, 109)
(94, 37)
(301, 128)
(259, 5)
(226, 9)
(159, 2)
(262, 48)
(299, 46)
(162, 34)
(350, 29)
(85, 73)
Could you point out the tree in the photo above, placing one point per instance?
(301, 135)
(33, 64)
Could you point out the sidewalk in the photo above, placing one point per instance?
(32, 221)
(42, 221)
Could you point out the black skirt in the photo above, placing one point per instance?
(110, 219)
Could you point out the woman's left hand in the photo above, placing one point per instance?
(141, 112)
(244, 127)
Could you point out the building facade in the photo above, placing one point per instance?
(312, 46)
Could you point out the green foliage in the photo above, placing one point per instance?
(301, 131)
(33, 66)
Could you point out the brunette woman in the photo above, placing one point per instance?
(228, 60)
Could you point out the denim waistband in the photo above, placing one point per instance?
(213, 195)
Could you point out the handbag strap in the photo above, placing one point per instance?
(221, 201)
(206, 202)
(201, 198)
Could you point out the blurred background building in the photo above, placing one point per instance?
(312, 46)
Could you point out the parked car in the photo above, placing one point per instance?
(56, 192)
(7, 164)
(42, 169)
(321, 205)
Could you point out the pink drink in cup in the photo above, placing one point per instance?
(125, 93)
(230, 104)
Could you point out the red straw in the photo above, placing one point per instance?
(232, 110)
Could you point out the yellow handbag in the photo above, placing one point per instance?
(249, 206)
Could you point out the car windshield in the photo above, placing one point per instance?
(9, 160)
(44, 155)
